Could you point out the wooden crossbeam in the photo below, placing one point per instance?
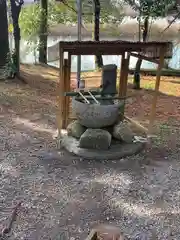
(112, 47)
(149, 59)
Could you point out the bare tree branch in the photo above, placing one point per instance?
(67, 5)
(71, 8)
(171, 22)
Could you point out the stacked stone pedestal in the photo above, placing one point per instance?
(98, 133)
(100, 138)
(107, 143)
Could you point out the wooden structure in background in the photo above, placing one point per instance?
(152, 51)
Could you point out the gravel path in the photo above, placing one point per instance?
(63, 196)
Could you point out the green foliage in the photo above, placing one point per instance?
(65, 13)
(111, 11)
(61, 13)
(29, 21)
(152, 8)
(30, 18)
(156, 8)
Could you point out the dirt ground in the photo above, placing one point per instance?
(64, 196)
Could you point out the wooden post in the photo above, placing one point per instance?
(121, 79)
(124, 76)
(60, 92)
(64, 112)
(67, 87)
(126, 70)
(156, 91)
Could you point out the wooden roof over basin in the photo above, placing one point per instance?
(151, 49)
(147, 51)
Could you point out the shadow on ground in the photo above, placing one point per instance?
(64, 196)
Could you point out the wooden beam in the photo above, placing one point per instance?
(156, 91)
(112, 47)
(118, 43)
(149, 59)
(97, 98)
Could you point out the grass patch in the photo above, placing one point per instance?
(149, 85)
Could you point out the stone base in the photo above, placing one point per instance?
(115, 152)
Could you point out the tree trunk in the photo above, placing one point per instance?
(97, 8)
(136, 82)
(43, 32)
(15, 11)
(4, 41)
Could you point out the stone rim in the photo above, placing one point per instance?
(94, 115)
(116, 152)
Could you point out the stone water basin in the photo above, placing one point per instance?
(94, 115)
